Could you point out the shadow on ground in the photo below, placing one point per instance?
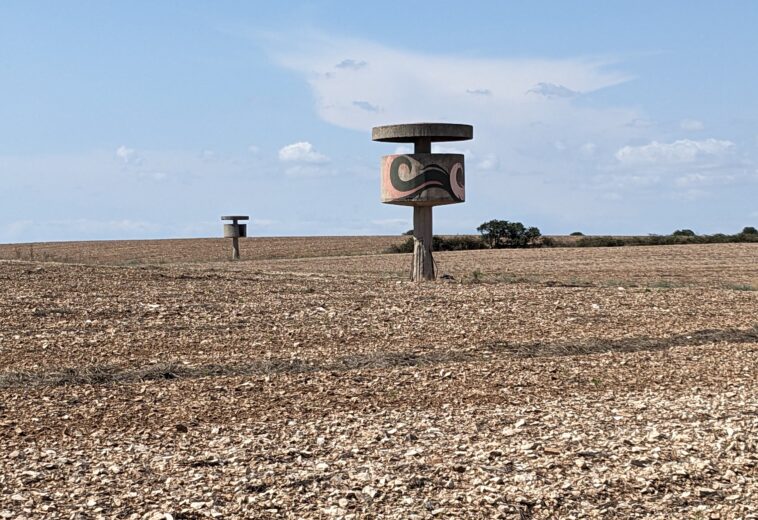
(108, 374)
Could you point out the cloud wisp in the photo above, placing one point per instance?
(415, 86)
(680, 151)
(519, 107)
(351, 64)
(127, 155)
(551, 90)
(365, 105)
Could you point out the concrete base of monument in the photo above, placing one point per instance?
(423, 261)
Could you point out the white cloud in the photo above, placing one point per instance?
(692, 179)
(514, 129)
(303, 160)
(691, 124)
(302, 152)
(530, 122)
(681, 151)
(127, 155)
(253, 149)
(680, 170)
(528, 90)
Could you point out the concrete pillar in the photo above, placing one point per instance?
(423, 262)
(423, 145)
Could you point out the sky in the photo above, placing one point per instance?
(141, 119)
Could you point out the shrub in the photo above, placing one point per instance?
(442, 243)
(658, 240)
(577, 234)
(501, 233)
(749, 230)
(600, 242)
(683, 233)
(457, 243)
(405, 247)
(476, 275)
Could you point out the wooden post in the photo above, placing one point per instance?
(423, 263)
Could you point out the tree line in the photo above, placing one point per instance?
(497, 234)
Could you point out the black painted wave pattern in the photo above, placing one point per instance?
(431, 176)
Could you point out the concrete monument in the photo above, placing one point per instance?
(422, 179)
(235, 230)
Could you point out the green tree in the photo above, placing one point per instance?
(683, 233)
(531, 235)
(493, 232)
(501, 233)
(749, 230)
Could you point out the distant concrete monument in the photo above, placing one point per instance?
(422, 179)
(235, 230)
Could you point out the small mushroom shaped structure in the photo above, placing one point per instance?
(235, 230)
(422, 179)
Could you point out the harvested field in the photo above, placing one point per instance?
(546, 383)
(136, 252)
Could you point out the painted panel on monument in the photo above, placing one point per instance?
(235, 230)
(423, 179)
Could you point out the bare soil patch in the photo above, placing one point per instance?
(139, 252)
(604, 383)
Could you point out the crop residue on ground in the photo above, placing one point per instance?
(313, 380)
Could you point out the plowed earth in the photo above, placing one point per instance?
(136, 252)
(555, 383)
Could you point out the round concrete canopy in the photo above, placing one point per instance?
(236, 217)
(409, 133)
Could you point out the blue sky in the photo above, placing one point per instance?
(151, 119)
